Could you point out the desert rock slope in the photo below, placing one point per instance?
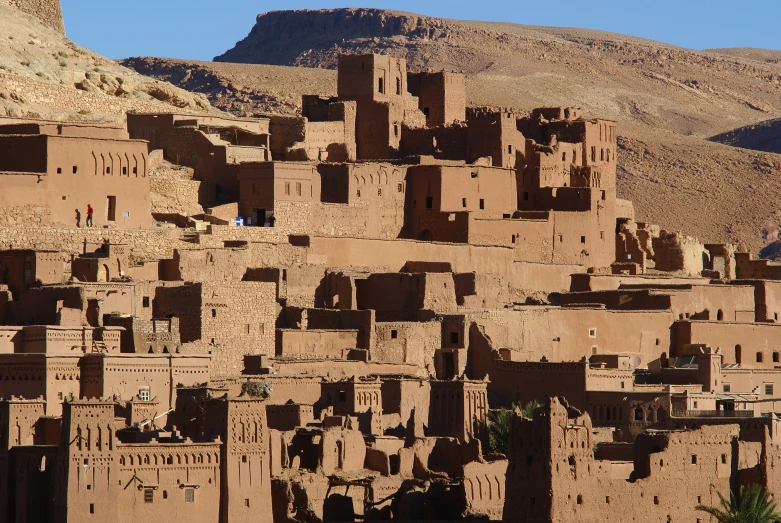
(668, 100)
(45, 75)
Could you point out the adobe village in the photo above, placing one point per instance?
(322, 327)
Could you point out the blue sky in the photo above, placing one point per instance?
(201, 29)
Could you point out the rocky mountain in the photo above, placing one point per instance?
(45, 75)
(762, 136)
(668, 100)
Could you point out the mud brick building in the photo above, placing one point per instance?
(407, 265)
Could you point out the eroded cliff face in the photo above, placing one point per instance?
(290, 37)
(47, 11)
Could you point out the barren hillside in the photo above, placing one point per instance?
(762, 136)
(45, 75)
(667, 100)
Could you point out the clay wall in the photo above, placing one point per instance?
(109, 174)
(294, 343)
(457, 409)
(442, 96)
(748, 267)
(88, 130)
(228, 320)
(484, 191)
(289, 416)
(407, 342)
(570, 334)
(494, 135)
(703, 302)
(484, 486)
(752, 345)
(126, 376)
(444, 142)
(589, 489)
(767, 297)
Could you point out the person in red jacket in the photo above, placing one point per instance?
(90, 211)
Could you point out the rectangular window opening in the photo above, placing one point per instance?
(482, 203)
(111, 210)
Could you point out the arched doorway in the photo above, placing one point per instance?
(103, 273)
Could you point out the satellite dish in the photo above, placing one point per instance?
(634, 361)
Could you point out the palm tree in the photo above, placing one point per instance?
(751, 504)
(500, 424)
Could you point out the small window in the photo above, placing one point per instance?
(775, 357)
(359, 193)
(582, 239)
(214, 313)
(135, 170)
(396, 130)
(638, 414)
(579, 499)
(394, 334)
(145, 302)
(694, 459)
(59, 170)
(760, 357)
(561, 238)
(124, 170)
(592, 333)
(453, 337)
(593, 154)
(400, 187)
(144, 394)
(149, 495)
(564, 156)
(768, 388)
(75, 169)
(398, 86)
(91, 508)
(189, 495)
(246, 502)
(429, 202)
(726, 387)
(513, 238)
(463, 202)
(165, 492)
(261, 328)
(108, 170)
(656, 500)
(59, 395)
(287, 189)
(482, 203)
(723, 459)
(246, 328)
(695, 404)
(509, 149)
(298, 189)
(381, 85)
